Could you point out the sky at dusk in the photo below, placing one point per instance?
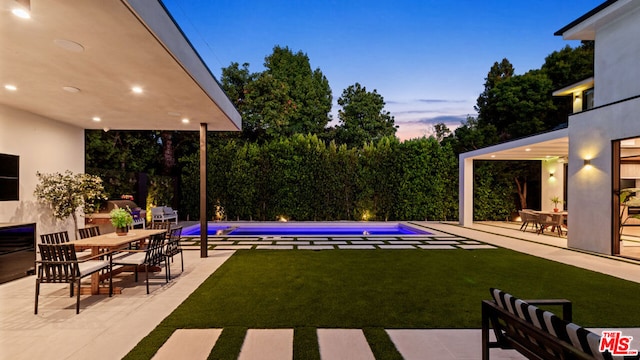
(428, 58)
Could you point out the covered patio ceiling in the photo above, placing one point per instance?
(550, 145)
(79, 61)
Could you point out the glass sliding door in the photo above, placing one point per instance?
(626, 197)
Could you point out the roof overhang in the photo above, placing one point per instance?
(549, 145)
(98, 50)
(584, 28)
(576, 88)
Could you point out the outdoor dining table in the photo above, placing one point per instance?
(563, 213)
(110, 242)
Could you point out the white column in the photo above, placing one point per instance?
(465, 191)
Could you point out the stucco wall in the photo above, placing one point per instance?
(617, 74)
(43, 145)
(551, 186)
(590, 189)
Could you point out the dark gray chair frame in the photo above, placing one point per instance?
(61, 237)
(89, 231)
(173, 248)
(153, 255)
(59, 264)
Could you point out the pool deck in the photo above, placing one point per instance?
(108, 328)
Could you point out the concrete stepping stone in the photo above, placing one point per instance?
(316, 247)
(396, 247)
(474, 247)
(364, 242)
(274, 247)
(347, 238)
(267, 344)
(330, 243)
(292, 242)
(405, 242)
(343, 344)
(232, 247)
(313, 238)
(443, 242)
(356, 247)
(189, 344)
(220, 242)
(437, 247)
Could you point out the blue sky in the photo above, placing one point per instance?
(428, 58)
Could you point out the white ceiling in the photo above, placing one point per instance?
(554, 144)
(119, 50)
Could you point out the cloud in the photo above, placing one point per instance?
(440, 101)
(413, 112)
(446, 119)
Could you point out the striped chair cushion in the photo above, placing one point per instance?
(576, 335)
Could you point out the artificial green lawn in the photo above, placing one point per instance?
(382, 289)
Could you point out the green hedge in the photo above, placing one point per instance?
(302, 178)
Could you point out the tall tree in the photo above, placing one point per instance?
(566, 67)
(498, 73)
(569, 65)
(520, 105)
(362, 117)
(307, 89)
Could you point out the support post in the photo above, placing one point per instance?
(465, 191)
(204, 244)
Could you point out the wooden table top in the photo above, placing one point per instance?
(112, 240)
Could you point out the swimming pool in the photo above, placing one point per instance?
(305, 229)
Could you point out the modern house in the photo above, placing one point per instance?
(67, 66)
(599, 152)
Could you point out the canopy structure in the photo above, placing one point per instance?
(550, 146)
(109, 64)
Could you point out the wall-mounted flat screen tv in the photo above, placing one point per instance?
(9, 177)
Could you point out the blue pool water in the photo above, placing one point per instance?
(355, 229)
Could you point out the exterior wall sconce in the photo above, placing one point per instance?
(587, 162)
(551, 175)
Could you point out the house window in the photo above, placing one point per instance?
(587, 99)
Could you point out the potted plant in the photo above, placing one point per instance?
(555, 200)
(121, 219)
(66, 193)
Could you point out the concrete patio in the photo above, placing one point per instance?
(108, 328)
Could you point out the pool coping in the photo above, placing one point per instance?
(340, 224)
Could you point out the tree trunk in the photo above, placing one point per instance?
(75, 224)
(168, 152)
(522, 192)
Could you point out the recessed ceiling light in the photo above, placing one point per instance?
(21, 13)
(185, 121)
(71, 89)
(10, 87)
(527, 149)
(137, 89)
(96, 119)
(493, 156)
(69, 45)
(173, 113)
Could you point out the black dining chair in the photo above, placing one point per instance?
(58, 264)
